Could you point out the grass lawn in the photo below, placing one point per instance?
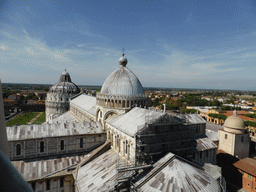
(22, 120)
(40, 119)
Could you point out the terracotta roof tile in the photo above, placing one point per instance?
(247, 165)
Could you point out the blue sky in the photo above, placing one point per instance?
(174, 44)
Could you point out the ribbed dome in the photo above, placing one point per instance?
(65, 85)
(234, 122)
(122, 82)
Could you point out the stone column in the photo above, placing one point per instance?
(3, 135)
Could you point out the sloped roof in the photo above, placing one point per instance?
(213, 136)
(23, 132)
(85, 102)
(205, 144)
(99, 173)
(173, 173)
(33, 170)
(192, 118)
(213, 170)
(213, 127)
(132, 121)
(247, 165)
(65, 117)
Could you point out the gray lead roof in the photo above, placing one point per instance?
(176, 174)
(65, 85)
(35, 131)
(122, 82)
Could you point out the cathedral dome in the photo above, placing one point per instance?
(234, 122)
(65, 85)
(122, 82)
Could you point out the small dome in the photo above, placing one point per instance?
(123, 61)
(122, 82)
(234, 122)
(65, 85)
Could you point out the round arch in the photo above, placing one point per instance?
(109, 114)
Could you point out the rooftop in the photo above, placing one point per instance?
(247, 165)
(99, 173)
(33, 170)
(192, 118)
(173, 173)
(85, 102)
(205, 144)
(65, 117)
(240, 114)
(34, 131)
(134, 120)
(212, 127)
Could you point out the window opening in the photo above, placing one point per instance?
(41, 146)
(62, 145)
(81, 142)
(48, 184)
(61, 181)
(18, 149)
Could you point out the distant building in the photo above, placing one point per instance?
(40, 95)
(31, 102)
(9, 102)
(13, 97)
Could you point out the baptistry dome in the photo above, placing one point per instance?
(59, 95)
(122, 82)
(65, 85)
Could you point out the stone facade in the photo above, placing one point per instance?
(205, 156)
(57, 184)
(112, 104)
(56, 104)
(198, 129)
(236, 144)
(154, 139)
(31, 148)
(80, 114)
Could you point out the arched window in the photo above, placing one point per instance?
(81, 143)
(128, 151)
(41, 146)
(126, 146)
(18, 149)
(62, 145)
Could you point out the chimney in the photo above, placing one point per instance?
(4, 147)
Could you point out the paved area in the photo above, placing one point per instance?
(39, 114)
